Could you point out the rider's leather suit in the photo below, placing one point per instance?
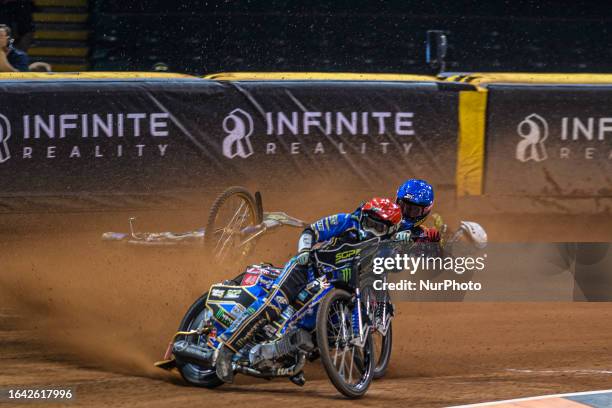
(336, 230)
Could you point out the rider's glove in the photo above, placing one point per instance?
(433, 235)
(304, 245)
(302, 258)
(402, 236)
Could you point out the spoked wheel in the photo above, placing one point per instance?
(350, 367)
(195, 374)
(232, 211)
(383, 343)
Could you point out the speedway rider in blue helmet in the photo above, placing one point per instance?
(415, 198)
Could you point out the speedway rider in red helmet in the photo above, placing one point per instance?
(377, 217)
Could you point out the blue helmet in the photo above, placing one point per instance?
(415, 197)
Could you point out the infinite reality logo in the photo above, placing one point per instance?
(239, 126)
(5, 135)
(534, 131)
(53, 136)
(319, 131)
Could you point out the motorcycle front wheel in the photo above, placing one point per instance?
(349, 366)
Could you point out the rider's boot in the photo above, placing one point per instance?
(223, 364)
(298, 379)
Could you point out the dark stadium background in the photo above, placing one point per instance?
(357, 36)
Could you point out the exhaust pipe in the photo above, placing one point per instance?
(193, 353)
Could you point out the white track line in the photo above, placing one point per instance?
(586, 372)
(540, 397)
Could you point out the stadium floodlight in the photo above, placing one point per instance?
(435, 52)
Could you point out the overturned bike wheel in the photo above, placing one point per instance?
(233, 210)
(349, 364)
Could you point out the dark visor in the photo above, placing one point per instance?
(411, 210)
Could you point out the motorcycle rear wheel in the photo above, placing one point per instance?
(193, 373)
(383, 344)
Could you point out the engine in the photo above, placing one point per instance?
(263, 355)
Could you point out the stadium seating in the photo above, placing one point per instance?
(61, 33)
(345, 36)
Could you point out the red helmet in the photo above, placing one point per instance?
(380, 216)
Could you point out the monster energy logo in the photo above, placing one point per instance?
(346, 274)
(223, 318)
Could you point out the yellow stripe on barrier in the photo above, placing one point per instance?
(471, 142)
(482, 78)
(91, 75)
(315, 76)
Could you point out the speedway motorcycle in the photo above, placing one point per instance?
(329, 321)
(357, 336)
(338, 318)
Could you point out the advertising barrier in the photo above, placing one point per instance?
(102, 141)
(549, 141)
(147, 137)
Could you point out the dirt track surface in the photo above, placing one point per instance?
(448, 357)
(76, 312)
